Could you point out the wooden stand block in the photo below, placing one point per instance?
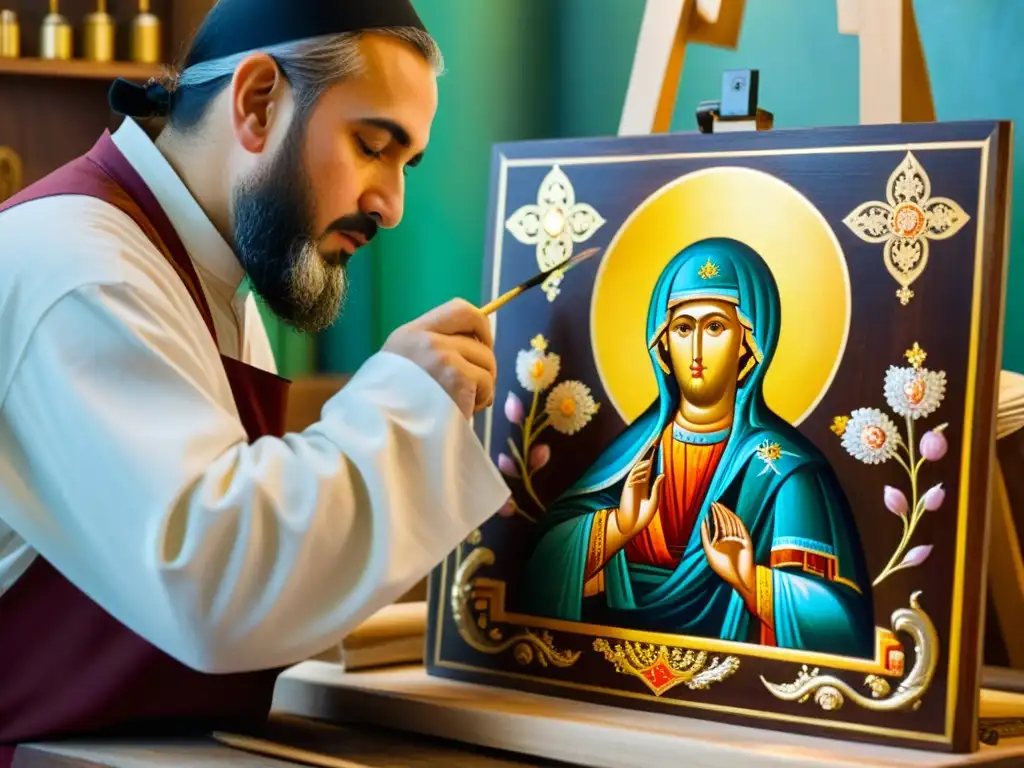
(589, 734)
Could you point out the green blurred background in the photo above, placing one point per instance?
(524, 69)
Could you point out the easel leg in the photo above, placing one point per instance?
(894, 84)
(661, 49)
(657, 68)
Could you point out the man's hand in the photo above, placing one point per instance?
(453, 344)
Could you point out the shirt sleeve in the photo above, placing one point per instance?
(141, 487)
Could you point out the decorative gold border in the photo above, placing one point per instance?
(952, 676)
(831, 692)
(493, 591)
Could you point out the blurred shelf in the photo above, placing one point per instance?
(79, 68)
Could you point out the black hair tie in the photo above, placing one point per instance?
(142, 101)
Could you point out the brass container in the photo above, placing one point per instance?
(146, 36)
(55, 35)
(98, 34)
(10, 35)
(10, 173)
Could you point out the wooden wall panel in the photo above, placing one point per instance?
(51, 116)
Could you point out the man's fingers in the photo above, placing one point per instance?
(484, 384)
(458, 317)
(472, 351)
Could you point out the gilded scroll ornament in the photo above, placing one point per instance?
(554, 224)
(906, 223)
(471, 605)
(10, 173)
(830, 693)
(662, 668)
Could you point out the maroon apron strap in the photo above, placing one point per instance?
(106, 155)
(66, 666)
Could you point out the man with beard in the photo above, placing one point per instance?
(164, 549)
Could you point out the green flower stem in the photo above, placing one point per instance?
(902, 463)
(520, 511)
(912, 466)
(529, 433)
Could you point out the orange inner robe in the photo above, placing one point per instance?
(688, 469)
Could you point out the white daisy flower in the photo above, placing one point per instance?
(914, 392)
(570, 407)
(871, 436)
(536, 369)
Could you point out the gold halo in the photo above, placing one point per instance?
(774, 219)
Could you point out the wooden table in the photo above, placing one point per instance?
(364, 746)
(442, 720)
(592, 735)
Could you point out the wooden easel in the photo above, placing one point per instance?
(667, 26)
(894, 85)
(894, 88)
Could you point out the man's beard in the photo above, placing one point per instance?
(275, 243)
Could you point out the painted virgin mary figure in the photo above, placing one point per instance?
(710, 515)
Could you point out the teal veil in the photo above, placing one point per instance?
(692, 599)
(737, 274)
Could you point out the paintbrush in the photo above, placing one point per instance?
(536, 280)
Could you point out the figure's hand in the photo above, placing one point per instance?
(639, 501)
(729, 550)
(453, 345)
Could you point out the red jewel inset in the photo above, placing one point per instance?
(907, 220)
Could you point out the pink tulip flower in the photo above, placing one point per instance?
(933, 497)
(934, 445)
(539, 456)
(507, 466)
(895, 501)
(514, 410)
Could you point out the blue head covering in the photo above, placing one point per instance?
(718, 268)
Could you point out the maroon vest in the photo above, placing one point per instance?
(66, 666)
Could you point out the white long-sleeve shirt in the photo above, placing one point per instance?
(123, 461)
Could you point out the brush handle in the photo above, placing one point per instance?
(501, 301)
(536, 280)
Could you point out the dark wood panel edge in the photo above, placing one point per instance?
(995, 261)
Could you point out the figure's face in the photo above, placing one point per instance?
(705, 344)
(337, 174)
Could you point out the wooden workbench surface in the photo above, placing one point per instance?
(363, 746)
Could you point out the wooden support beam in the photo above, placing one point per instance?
(894, 84)
(667, 26)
